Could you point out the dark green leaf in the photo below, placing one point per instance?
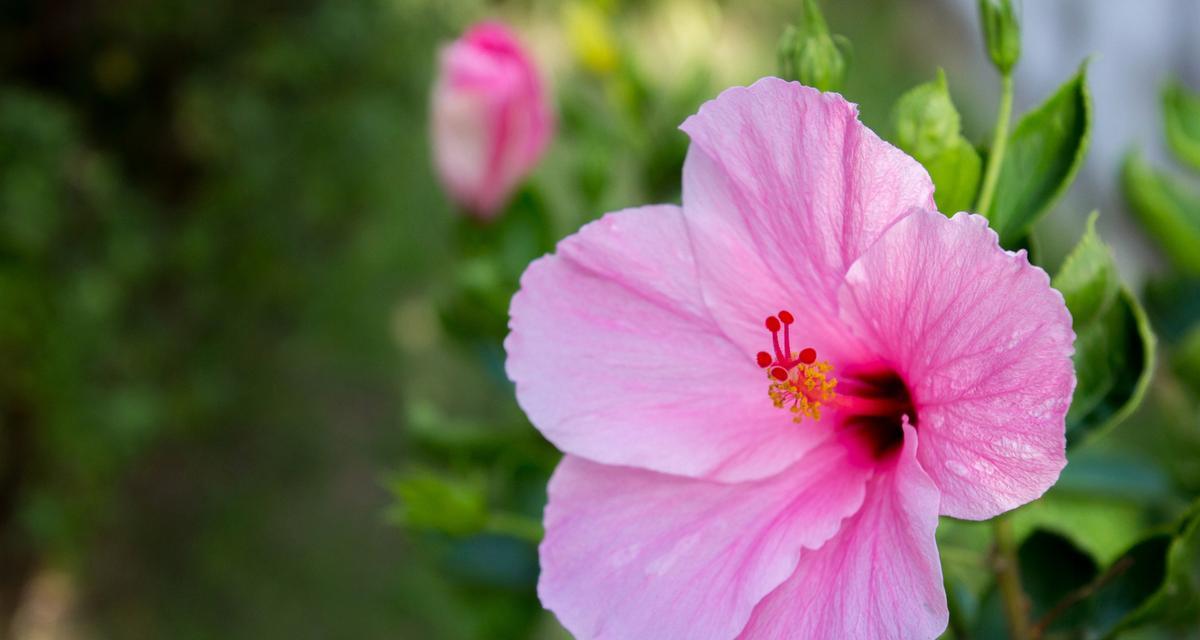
(1181, 595)
(1101, 526)
(1114, 359)
(1185, 361)
(1157, 581)
(928, 127)
(1030, 244)
(1114, 346)
(1133, 579)
(1044, 153)
(1173, 304)
(1181, 114)
(1167, 208)
(1052, 569)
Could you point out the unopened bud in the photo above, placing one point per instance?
(1001, 32)
(925, 119)
(810, 54)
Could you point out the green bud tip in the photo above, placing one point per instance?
(1001, 33)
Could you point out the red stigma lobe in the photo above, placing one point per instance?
(783, 357)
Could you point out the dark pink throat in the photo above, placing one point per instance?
(875, 401)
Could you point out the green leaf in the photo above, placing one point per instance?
(1114, 346)
(1156, 581)
(426, 500)
(956, 173)
(1044, 152)
(1167, 208)
(1052, 567)
(1180, 595)
(1101, 526)
(1173, 304)
(1114, 359)
(431, 428)
(1132, 581)
(1088, 278)
(928, 127)
(1181, 114)
(1102, 503)
(1185, 360)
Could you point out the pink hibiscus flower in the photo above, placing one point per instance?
(727, 477)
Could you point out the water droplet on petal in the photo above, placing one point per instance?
(957, 468)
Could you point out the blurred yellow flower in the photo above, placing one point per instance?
(591, 36)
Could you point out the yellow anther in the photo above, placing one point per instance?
(804, 391)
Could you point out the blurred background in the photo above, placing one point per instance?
(252, 382)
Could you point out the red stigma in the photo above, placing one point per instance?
(783, 360)
(797, 382)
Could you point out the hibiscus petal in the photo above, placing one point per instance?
(617, 360)
(985, 346)
(783, 189)
(878, 578)
(636, 554)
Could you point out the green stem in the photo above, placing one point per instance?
(1008, 579)
(515, 525)
(999, 144)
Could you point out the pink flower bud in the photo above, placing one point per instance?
(490, 118)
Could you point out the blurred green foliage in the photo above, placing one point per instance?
(1168, 206)
(207, 215)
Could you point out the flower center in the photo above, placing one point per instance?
(872, 400)
(876, 402)
(798, 382)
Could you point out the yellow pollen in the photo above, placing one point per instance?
(804, 391)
